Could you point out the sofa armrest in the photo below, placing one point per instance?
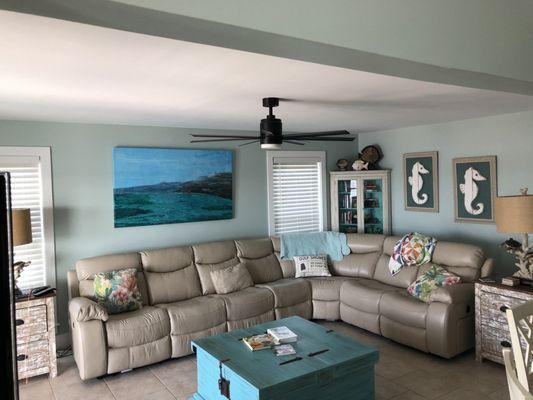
(454, 294)
(82, 309)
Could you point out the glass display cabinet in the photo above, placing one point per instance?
(360, 201)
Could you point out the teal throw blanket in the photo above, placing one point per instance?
(332, 244)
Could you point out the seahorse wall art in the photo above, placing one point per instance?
(417, 182)
(470, 190)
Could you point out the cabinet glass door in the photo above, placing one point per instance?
(373, 205)
(347, 191)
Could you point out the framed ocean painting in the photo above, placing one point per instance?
(421, 181)
(166, 186)
(475, 188)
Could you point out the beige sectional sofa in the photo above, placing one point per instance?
(180, 302)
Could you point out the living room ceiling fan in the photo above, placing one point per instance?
(271, 134)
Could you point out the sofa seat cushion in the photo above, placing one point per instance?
(248, 303)
(364, 294)
(195, 315)
(405, 309)
(288, 292)
(137, 327)
(327, 288)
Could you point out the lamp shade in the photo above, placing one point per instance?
(21, 220)
(514, 214)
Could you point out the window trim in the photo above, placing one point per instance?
(45, 159)
(319, 156)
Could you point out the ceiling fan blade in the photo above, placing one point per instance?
(221, 140)
(246, 144)
(293, 142)
(328, 139)
(325, 133)
(223, 136)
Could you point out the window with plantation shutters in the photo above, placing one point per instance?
(30, 173)
(296, 193)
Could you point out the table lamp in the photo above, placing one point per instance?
(514, 214)
(21, 223)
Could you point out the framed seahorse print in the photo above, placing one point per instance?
(475, 188)
(421, 181)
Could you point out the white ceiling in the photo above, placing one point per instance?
(54, 70)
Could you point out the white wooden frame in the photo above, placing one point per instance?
(316, 156)
(45, 159)
(337, 176)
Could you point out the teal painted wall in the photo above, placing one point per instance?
(83, 190)
(509, 137)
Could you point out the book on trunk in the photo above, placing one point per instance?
(259, 342)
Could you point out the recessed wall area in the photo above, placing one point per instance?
(509, 137)
(82, 169)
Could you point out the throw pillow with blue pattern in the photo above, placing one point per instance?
(117, 291)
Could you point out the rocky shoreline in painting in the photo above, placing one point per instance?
(217, 185)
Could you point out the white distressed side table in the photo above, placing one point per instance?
(492, 299)
(36, 336)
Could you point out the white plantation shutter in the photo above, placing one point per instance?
(296, 192)
(28, 191)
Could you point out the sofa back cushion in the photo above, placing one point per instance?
(464, 260)
(288, 268)
(258, 256)
(170, 274)
(382, 274)
(361, 262)
(213, 256)
(88, 267)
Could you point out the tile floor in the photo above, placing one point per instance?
(401, 374)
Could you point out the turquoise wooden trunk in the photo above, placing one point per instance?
(345, 371)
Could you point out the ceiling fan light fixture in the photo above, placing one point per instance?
(270, 146)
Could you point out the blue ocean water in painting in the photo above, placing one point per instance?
(164, 186)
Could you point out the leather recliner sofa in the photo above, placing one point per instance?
(180, 303)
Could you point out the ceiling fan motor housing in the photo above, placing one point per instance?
(271, 124)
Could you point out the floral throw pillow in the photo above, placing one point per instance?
(117, 291)
(434, 278)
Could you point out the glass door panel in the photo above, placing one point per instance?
(347, 195)
(373, 205)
